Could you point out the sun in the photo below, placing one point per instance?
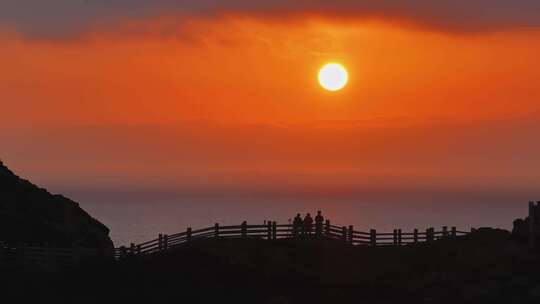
(333, 76)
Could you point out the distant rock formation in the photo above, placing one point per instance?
(528, 229)
(31, 215)
(521, 228)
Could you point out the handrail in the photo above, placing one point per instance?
(203, 229)
(50, 257)
(272, 230)
(269, 231)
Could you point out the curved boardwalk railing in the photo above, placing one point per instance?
(274, 231)
(48, 257)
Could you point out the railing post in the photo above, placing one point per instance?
(123, 252)
(274, 230)
(268, 230)
(160, 242)
(23, 255)
(48, 256)
(216, 230)
(415, 236)
(445, 232)
(244, 229)
(132, 249)
(76, 256)
(351, 234)
(454, 232)
(532, 225)
(535, 227)
(319, 226)
(188, 234)
(399, 237)
(430, 235)
(373, 237)
(344, 233)
(139, 249)
(327, 229)
(395, 237)
(166, 242)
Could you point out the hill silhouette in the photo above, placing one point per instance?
(487, 266)
(32, 215)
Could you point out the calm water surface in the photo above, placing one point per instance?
(141, 219)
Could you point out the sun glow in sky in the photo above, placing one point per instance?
(161, 99)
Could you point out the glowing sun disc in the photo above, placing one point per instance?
(333, 77)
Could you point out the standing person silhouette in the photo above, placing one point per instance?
(308, 223)
(297, 225)
(319, 219)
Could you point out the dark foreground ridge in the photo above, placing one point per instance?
(486, 266)
(32, 216)
(255, 263)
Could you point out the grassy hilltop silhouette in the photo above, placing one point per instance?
(31, 215)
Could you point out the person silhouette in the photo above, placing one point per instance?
(308, 223)
(297, 225)
(319, 219)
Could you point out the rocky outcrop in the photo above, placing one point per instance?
(521, 228)
(32, 215)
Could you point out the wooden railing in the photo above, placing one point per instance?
(52, 258)
(273, 231)
(20, 257)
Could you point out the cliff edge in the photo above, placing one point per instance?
(32, 215)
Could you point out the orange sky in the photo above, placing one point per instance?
(209, 99)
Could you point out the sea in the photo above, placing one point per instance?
(139, 217)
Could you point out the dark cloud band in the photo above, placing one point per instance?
(71, 16)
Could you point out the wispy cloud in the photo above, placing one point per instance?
(57, 17)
